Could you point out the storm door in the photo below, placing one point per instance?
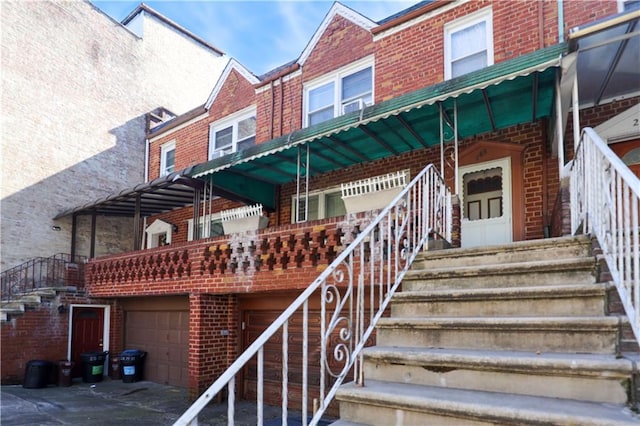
(486, 203)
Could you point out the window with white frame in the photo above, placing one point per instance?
(167, 158)
(347, 90)
(212, 229)
(468, 44)
(234, 133)
(627, 5)
(322, 204)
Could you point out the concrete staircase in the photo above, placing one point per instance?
(513, 334)
(23, 302)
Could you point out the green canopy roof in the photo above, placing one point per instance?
(517, 91)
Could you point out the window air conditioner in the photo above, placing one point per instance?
(352, 106)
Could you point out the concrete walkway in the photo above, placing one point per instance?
(112, 402)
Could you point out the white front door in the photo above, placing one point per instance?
(485, 203)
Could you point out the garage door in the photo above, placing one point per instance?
(161, 328)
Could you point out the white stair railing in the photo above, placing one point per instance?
(354, 292)
(605, 198)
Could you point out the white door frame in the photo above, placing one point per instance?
(476, 230)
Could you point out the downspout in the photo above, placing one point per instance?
(146, 160)
(540, 24)
(560, 21)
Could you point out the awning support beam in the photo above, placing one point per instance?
(411, 130)
(487, 105)
(348, 148)
(376, 138)
(534, 97)
(614, 64)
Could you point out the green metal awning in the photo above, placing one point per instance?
(502, 95)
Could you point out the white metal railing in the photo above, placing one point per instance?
(354, 292)
(605, 198)
(241, 212)
(373, 184)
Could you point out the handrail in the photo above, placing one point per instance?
(605, 200)
(354, 291)
(42, 272)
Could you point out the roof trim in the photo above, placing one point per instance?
(231, 65)
(142, 7)
(410, 15)
(175, 123)
(336, 9)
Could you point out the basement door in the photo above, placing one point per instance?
(87, 334)
(485, 202)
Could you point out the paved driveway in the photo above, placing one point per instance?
(112, 402)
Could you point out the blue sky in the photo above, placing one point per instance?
(262, 35)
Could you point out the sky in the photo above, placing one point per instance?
(261, 35)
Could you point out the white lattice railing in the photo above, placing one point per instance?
(241, 212)
(374, 184)
(605, 198)
(354, 291)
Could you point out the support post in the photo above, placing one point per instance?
(576, 111)
(92, 249)
(136, 224)
(559, 127)
(74, 230)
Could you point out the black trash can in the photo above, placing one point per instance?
(132, 365)
(37, 374)
(64, 373)
(92, 366)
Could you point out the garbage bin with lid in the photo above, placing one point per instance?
(64, 372)
(132, 365)
(92, 366)
(37, 374)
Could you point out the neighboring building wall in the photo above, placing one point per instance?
(75, 90)
(176, 67)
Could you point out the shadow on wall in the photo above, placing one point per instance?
(27, 225)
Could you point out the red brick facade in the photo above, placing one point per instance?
(408, 55)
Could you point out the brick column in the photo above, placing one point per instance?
(212, 334)
(455, 222)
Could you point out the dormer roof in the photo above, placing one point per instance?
(343, 11)
(231, 65)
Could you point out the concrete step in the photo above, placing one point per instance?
(589, 377)
(548, 334)
(520, 251)
(383, 403)
(561, 300)
(533, 273)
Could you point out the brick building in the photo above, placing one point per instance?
(472, 87)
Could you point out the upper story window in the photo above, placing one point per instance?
(468, 44)
(167, 158)
(347, 90)
(232, 134)
(627, 5)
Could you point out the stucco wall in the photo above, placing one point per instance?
(75, 88)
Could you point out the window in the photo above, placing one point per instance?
(348, 90)
(213, 230)
(232, 134)
(468, 44)
(628, 5)
(322, 204)
(483, 194)
(167, 158)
